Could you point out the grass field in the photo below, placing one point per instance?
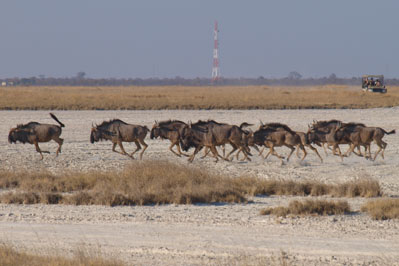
(180, 97)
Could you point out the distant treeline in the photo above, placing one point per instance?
(82, 81)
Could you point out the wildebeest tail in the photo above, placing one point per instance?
(390, 132)
(56, 119)
(245, 124)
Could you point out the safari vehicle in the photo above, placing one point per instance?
(373, 83)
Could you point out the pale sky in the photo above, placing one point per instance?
(142, 39)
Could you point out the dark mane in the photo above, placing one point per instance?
(325, 123)
(217, 123)
(277, 125)
(108, 123)
(351, 124)
(27, 126)
(167, 122)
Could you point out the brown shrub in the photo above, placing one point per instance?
(20, 198)
(310, 207)
(47, 182)
(11, 257)
(360, 188)
(382, 209)
(259, 186)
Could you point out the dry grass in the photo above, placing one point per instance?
(382, 209)
(141, 183)
(181, 97)
(11, 257)
(161, 182)
(310, 207)
(357, 188)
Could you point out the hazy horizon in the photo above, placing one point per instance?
(165, 39)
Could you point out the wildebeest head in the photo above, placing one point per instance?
(186, 137)
(155, 131)
(21, 135)
(98, 134)
(95, 135)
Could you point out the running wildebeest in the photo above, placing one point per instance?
(210, 134)
(117, 132)
(316, 135)
(35, 132)
(365, 135)
(170, 130)
(276, 135)
(342, 136)
(303, 137)
(224, 134)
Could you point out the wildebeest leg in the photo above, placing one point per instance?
(113, 147)
(273, 152)
(40, 151)
(123, 149)
(178, 148)
(233, 150)
(223, 147)
(197, 149)
(383, 149)
(335, 147)
(180, 152)
(138, 147)
(381, 144)
(260, 152)
(304, 152)
(324, 147)
(206, 152)
(215, 152)
(145, 145)
(242, 149)
(360, 152)
(292, 151)
(315, 150)
(60, 141)
(297, 151)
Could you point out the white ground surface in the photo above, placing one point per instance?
(200, 234)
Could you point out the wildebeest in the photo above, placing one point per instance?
(342, 136)
(315, 135)
(34, 132)
(170, 130)
(276, 135)
(224, 134)
(197, 136)
(210, 134)
(365, 136)
(301, 140)
(117, 132)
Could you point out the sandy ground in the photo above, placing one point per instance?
(204, 234)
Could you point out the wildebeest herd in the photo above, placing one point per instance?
(211, 134)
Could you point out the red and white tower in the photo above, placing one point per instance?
(215, 68)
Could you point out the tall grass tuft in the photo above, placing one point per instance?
(11, 257)
(382, 209)
(309, 207)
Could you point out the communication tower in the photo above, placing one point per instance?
(215, 68)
